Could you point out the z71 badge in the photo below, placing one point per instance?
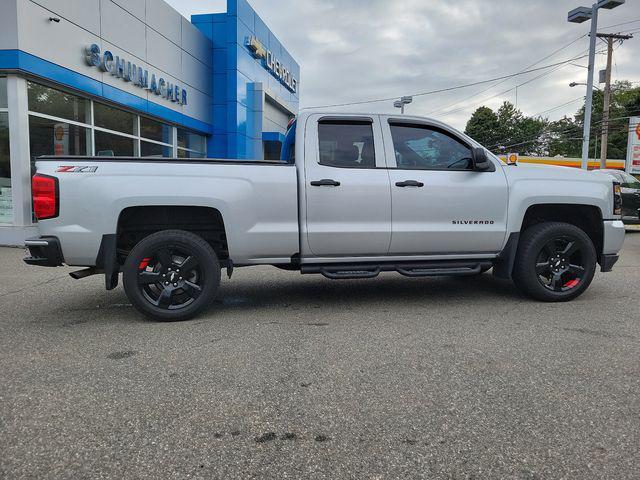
(71, 169)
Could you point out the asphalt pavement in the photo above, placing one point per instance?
(291, 376)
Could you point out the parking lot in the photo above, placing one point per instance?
(291, 376)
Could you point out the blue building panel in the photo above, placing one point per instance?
(235, 70)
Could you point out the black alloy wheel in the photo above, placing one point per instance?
(560, 265)
(170, 278)
(171, 275)
(555, 262)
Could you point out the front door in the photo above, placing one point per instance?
(440, 204)
(348, 197)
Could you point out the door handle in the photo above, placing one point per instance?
(410, 183)
(326, 182)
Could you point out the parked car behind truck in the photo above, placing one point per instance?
(354, 196)
(630, 189)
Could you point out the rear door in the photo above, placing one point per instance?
(440, 204)
(348, 197)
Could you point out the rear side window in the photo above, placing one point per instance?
(425, 148)
(346, 144)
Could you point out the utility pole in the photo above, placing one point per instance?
(610, 39)
(581, 15)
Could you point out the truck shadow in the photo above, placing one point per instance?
(261, 291)
(388, 289)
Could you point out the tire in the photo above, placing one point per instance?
(555, 262)
(171, 276)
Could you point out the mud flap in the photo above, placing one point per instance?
(107, 260)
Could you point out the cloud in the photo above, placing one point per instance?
(352, 50)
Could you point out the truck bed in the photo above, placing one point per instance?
(258, 201)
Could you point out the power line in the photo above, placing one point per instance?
(581, 97)
(442, 90)
(508, 90)
(441, 109)
(619, 24)
(501, 93)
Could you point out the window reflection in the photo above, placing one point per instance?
(110, 145)
(58, 104)
(114, 119)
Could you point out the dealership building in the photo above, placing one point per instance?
(134, 78)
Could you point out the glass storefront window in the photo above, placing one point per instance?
(154, 130)
(57, 137)
(149, 149)
(67, 130)
(189, 154)
(3, 92)
(58, 104)
(6, 199)
(110, 145)
(114, 119)
(191, 141)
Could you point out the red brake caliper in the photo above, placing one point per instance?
(572, 283)
(144, 263)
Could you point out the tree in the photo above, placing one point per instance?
(483, 126)
(508, 128)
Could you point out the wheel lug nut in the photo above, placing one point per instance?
(175, 284)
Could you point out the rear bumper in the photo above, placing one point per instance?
(44, 252)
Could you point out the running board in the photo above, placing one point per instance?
(80, 274)
(422, 269)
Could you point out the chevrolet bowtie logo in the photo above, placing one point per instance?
(272, 63)
(256, 47)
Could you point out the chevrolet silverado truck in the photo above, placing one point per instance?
(353, 196)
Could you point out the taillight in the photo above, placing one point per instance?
(46, 196)
(617, 199)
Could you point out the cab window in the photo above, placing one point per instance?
(288, 154)
(346, 144)
(429, 148)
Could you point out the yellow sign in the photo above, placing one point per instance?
(513, 159)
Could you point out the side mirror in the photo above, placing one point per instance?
(481, 162)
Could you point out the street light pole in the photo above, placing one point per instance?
(402, 102)
(589, 104)
(580, 15)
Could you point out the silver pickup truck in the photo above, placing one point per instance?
(353, 196)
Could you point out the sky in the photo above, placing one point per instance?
(359, 50)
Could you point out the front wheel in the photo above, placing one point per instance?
(555, 262)
(171, 275)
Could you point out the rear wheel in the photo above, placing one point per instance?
(171, 275)
(555, 262)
